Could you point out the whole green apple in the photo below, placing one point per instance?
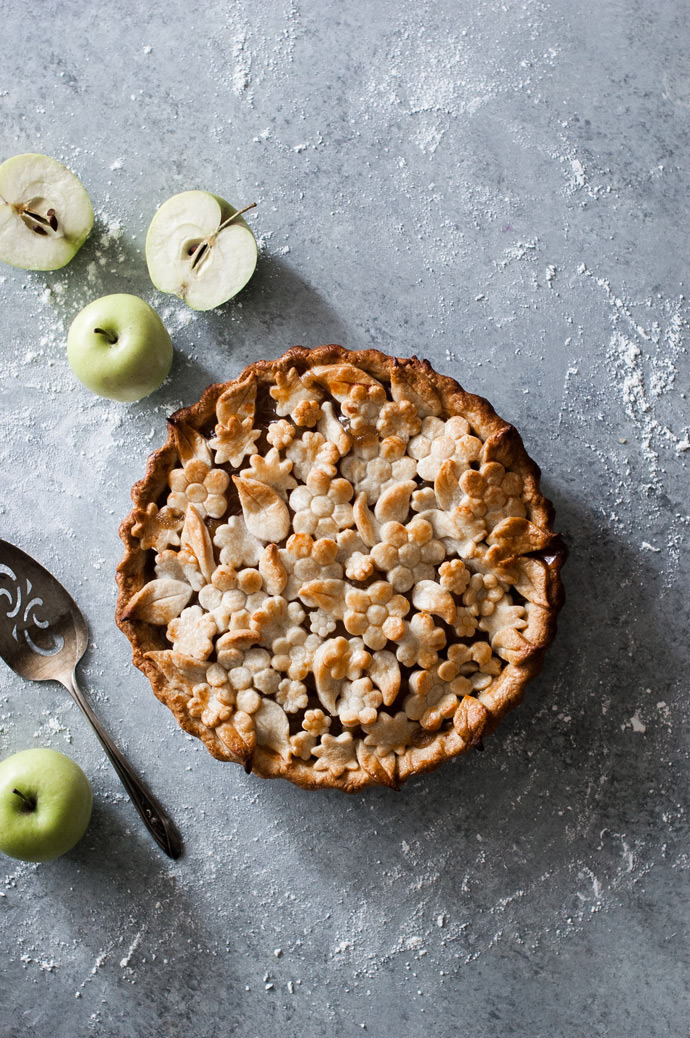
(45, 805)
(45, 213)
(119, 348)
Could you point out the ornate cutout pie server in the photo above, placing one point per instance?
(43, 635)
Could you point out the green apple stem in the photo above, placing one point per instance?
(29, 803)
(252, 205)
(112, 339)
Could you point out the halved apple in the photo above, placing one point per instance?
(45, 213)
(199, 248)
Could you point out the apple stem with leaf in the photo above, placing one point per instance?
(28, 803)
(198, 251)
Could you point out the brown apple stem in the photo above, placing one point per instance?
(29, 803)
(112, 339)
(252, 205)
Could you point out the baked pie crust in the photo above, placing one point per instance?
(339, 569)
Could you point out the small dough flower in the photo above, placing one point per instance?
(231, 593)
(292, 695)
(199, 484)
(280, 434)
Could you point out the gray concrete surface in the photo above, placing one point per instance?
(502, 188)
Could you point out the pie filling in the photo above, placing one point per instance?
(340, 577)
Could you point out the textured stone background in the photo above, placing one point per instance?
(500, 188)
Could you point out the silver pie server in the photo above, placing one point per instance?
(43, 635)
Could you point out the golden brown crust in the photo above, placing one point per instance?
(432, 394)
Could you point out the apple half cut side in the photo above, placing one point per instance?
(45, 213)
(199, 248)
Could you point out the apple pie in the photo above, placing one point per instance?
(339, 569)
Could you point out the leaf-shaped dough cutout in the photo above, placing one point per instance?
(330, 428)
(238, 401)
(190, 443)
(470, 720)
(447, 486)
(328, 595)
(367, 527)
(239, 738)
(159, 601)
(265, 513)
(430, 597)
(382, 769)
(532, 581)
(516, 536)
(329, 667)
(385, 673)
(339, 379)
(272, 727)
(272, 570)
(416, 389)
(394, 503)
(182, 671)
(196, 538)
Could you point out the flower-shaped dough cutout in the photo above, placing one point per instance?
(292, 695)
(280, 434)
(199, 484)
(359, 702)
(158, 528)
(336, 753)
(305, 559)
(390, 734)
(312, 451)
(271, 470)
(192, 632)
(421, 642)
(432, 700)
(275, 617)
(375, 613)
(408, 554)
(398, 418)
(322, 505)
(475, 664)
(440, 441)
(293, 653)
(226, 598)
(254, 674)
(238, 547)
(233, 442)
(375, 476)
